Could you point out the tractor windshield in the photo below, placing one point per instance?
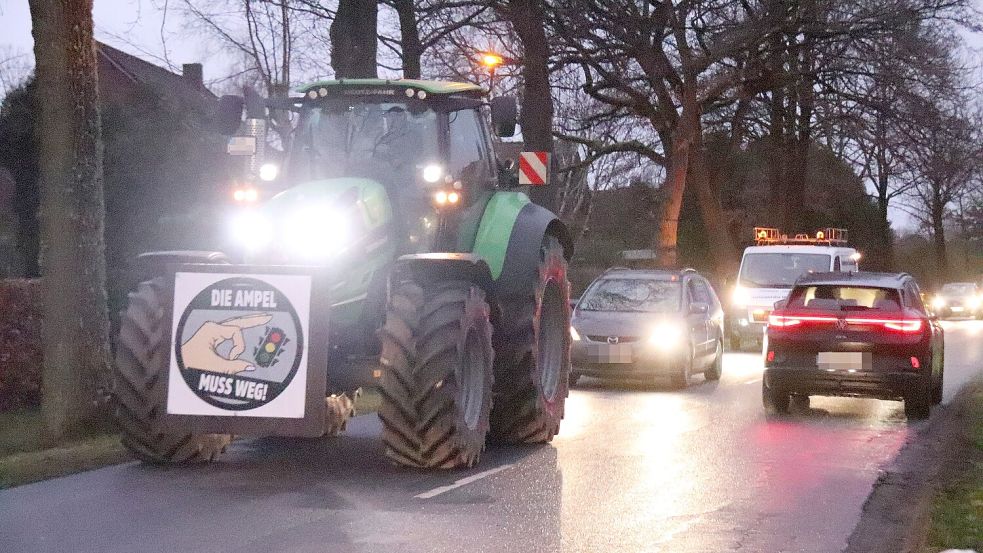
(385, 141)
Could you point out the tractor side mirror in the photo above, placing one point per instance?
(504, 115)
(228, 114)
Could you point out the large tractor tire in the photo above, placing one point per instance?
(437, 386)
(532, 355)
(140, 385)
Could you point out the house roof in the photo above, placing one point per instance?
(173, 86)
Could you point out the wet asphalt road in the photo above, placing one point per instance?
(633, 469)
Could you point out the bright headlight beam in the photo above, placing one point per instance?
(666, 335)
(317, 231)
(938, 302)
(740, 298)
(574, 334)
(252, 230)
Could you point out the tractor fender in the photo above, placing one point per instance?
(150, 264)
(427, 268)
(523, 253)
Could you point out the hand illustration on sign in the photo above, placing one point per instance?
(200, 351)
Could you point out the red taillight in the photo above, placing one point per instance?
(771, 356)
(785, 321)
(905, 325)
(915, 363)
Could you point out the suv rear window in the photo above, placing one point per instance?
(845, 298)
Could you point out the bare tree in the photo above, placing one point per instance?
(76, 325)
(947, 154)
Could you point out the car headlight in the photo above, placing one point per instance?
(938, 302)
(973, 303)
(667, 335)
(316, 232)
(741, 297)
(252, 230)
(574, 334)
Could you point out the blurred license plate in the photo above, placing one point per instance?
(610, 353)
(957, 309)
(843, 360)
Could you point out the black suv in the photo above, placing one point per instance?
(642, 324)
(856, 335)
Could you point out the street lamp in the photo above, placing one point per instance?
(491, 61)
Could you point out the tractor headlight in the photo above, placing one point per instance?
(667, 335)
(252, 230)
(317, 232)
(938, 302)
(741, 297)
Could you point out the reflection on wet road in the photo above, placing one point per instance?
(635, 468)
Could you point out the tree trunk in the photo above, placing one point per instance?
(353, 39)
(536, 118)
(73, 266)
(714, 222)
(412, 48)
(672, 201)
(938, 236)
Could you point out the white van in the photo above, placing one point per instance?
(769, 269)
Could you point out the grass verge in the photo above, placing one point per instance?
(957, 510)
(23, 459)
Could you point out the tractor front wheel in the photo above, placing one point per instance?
(532, 355)
(139, 385)
(437, 386)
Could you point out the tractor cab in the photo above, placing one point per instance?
(415, 156)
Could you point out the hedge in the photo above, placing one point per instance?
(20, 343)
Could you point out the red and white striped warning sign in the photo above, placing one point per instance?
(534, 168)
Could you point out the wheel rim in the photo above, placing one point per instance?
(552, 340)
(470, 379)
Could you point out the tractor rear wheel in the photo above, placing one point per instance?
(139, 385)
(532, 355)
(437, 386)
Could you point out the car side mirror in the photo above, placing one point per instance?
(504, 115)
(699, 308)
(228, 114)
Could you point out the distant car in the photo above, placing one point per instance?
(856, 335)
(646, 324)
(958, 299)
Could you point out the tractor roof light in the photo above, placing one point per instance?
(268, 171)
(432, 172)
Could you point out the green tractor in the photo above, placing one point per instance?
(431, 276)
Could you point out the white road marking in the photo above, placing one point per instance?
(462, 482)
(753, 380)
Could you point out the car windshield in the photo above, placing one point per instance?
(387, 141)
(959, 289)
(845, 298)
(632, 295)
(780, 270)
